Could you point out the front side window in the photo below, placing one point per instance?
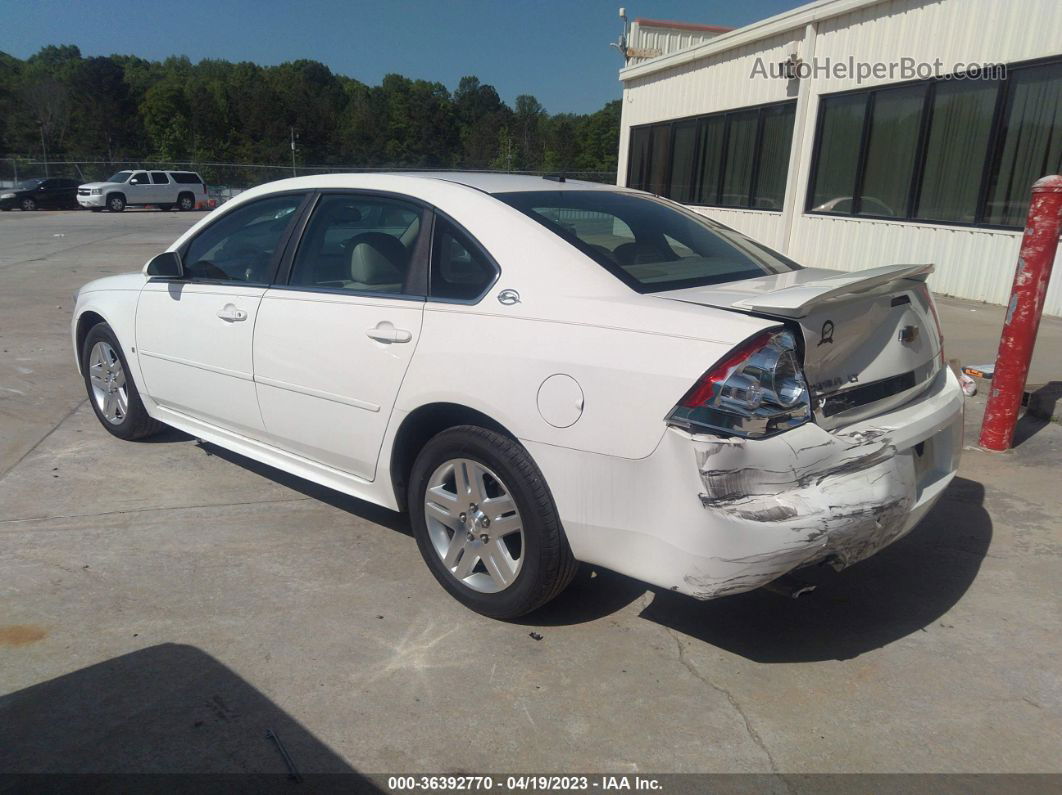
(357, 243)
(159, 178)
(648, 244)
(460, 269)
(140, 177)
(241, 245)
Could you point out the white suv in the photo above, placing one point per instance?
(164, 189)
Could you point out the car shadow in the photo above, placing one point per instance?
(165, 709)
(392, 520)
(901, 590)
(167, 435)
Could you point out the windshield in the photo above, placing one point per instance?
(649, 244)
(29, 183)
(120, 176)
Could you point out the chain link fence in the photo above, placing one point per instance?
(224, 180)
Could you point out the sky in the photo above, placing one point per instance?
(556, 50)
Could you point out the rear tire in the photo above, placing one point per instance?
(111, 390)
(116, 203)
(503, 554)
(186, 202)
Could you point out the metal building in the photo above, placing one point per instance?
(855, 133)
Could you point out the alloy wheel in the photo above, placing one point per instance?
(107, 377)
(474, 525)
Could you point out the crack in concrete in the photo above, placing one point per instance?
(44, 438)
(152, 510)
(749, 729)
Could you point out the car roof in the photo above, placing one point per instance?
(495, 182)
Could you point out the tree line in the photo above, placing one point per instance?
(121, 107)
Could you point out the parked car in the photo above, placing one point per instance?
(131, 188)
(45, 192)
(541, 372)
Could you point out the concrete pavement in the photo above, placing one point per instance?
(162, 604)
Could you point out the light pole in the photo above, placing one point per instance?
(293, 152)
(44, 149)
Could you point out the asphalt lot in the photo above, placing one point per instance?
(164, 604)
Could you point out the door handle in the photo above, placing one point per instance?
(231, 314)
(386, 332)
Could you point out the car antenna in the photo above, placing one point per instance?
(554, 177)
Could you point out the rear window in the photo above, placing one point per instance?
(647, 243)
(186, 177)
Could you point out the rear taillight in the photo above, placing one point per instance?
(928, 298)
(757, 390)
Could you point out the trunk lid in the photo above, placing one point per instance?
(871, 338)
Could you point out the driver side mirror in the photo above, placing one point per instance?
(167, 265)
(134, 181)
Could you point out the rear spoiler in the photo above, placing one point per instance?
(800, 299)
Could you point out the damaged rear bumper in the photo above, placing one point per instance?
(709, 516)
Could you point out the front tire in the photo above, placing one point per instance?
(28, 205)
(116, 203)
(111, 390)
(485, 523)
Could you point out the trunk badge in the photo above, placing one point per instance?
(908, 334)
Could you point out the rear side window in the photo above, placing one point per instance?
(241, 244)
(357, 243)
(647, 243)
(186, 178)
(460, 269)
(159, 178)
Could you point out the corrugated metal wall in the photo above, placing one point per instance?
(664, 39)
(971, 263)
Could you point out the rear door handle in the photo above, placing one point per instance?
(386, 332)
(231, 314)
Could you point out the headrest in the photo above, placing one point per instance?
(376, 258)
(344, 213)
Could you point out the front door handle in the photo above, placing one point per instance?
(231, 314)
(386, 332)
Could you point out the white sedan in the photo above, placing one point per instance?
(541, 372)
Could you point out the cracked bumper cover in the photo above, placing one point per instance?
(709, 516)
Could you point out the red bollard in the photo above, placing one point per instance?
(1038, 246)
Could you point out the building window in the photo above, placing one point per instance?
(946, 151)
(735, 159)
(1030, 144)
(891, 147)
(684, 152)
(773, 166)
(960, 121)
